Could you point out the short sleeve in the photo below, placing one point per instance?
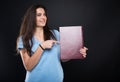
(57, 34)
(20, 43)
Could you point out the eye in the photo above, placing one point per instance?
(39, 14)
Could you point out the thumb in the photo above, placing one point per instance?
(85, 48)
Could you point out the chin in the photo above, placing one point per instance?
(41, 25)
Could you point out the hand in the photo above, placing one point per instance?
(83, 51)
(48, 44)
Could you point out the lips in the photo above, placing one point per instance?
(42, 21)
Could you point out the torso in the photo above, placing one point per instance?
(49, 68)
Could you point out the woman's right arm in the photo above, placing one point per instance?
(30, 62)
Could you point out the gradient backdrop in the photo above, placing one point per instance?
(101, 24)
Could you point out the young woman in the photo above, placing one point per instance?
(39, 48)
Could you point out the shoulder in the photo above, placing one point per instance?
(55, 31)
(19, 39)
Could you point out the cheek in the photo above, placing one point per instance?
(46, 18)
(37, 19)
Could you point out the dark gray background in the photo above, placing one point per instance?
(101, 24)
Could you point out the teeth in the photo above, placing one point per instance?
(41, 21)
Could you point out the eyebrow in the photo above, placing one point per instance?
(41, 13)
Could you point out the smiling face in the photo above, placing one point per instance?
(40, 17)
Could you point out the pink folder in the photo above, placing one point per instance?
(71, 40)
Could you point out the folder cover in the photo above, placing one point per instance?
(71, 40)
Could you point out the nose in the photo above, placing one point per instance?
(43, 16)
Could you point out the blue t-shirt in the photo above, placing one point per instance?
(49, 67)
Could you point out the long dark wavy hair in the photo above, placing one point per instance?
(28, 27)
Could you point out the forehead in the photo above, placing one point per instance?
(40, 10)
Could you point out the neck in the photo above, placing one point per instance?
(39, 31)
(39, 34)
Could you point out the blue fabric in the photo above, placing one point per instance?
(49, 67)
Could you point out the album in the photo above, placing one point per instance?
(71, 40)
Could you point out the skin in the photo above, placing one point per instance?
(30, 62)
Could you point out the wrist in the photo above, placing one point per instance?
(41, 47)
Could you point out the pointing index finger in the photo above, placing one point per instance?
(56, 42)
